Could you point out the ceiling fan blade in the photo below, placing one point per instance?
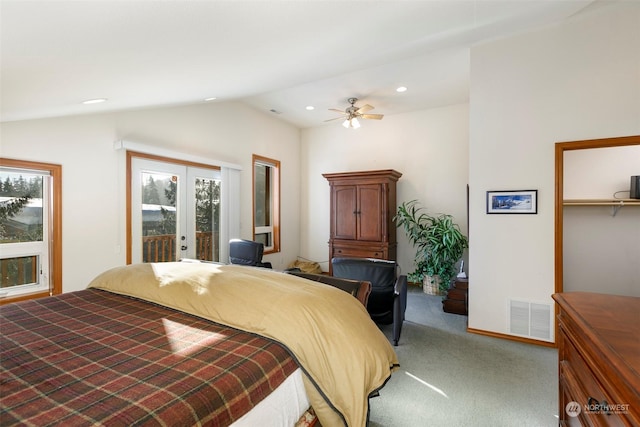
(372, 116)
(337, 118)
(365, 108)
(337, 111)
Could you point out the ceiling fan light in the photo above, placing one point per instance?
(355, 123)
(346, 123)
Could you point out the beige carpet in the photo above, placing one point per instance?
(449, 377)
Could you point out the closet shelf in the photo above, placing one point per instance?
(601, 202)
(615, 204)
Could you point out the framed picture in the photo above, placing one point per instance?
(512, 202)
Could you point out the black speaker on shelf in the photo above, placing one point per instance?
(634, 192)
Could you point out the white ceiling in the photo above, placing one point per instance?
(273, 55)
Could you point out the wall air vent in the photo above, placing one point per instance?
(530, 319)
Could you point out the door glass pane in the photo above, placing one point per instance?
(159, 219)
(207, 209)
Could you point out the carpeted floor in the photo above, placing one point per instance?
(449, 377)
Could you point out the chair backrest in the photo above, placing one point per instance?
(245, 252)
(359, 289)
(381, 273)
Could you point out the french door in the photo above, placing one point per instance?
(175, 211)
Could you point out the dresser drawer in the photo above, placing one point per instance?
(599, 355)
(592, 412)
(580, 385)
(569, 391)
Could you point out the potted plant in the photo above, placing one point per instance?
(439, 245)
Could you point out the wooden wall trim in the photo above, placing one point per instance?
(511, 337)
(560, 148)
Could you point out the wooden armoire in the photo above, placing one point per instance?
(363, 205)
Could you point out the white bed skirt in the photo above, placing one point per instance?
(283, 407)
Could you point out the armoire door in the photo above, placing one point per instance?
(370, 215)
(345, 216)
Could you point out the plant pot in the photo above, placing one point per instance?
(431, 285)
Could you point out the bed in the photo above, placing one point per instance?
(191, 344)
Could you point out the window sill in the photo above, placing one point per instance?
(24, 297)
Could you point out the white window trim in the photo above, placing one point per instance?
(41, 250)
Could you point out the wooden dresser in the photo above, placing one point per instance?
(363, 205)
(599, 359)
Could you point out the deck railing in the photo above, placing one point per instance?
(162, 248)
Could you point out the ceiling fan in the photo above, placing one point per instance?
(353, 113)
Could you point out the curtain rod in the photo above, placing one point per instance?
(150, 149)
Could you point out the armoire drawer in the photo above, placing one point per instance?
(358, 252)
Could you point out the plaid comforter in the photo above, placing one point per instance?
(96, 358)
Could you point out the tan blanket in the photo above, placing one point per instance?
(343, 353)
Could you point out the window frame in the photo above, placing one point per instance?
(54, 236)
(274, 200)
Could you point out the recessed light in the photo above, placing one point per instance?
(94, 101)
(213, 98)
(310, 107)
(401, 89)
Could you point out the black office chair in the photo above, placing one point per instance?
(388, 299)
(247, 252)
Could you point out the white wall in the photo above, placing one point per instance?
(578, 80)
(92, 175)
(428, 147)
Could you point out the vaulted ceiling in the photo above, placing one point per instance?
(277, 56)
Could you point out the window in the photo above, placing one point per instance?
(30, 230)
(266, 203)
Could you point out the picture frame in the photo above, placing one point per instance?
(512, 202)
